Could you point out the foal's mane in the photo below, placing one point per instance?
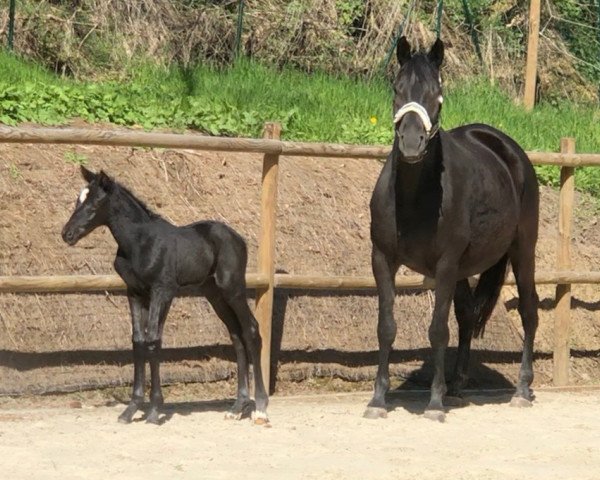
(136, 200)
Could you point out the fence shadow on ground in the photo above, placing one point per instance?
(185, 408)
(548, 304)
(482, 376)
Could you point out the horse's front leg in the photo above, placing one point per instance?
(160, 303)
(464, 309)
(139, 317)
(384, 270)
(445, 285)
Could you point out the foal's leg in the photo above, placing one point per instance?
(236, 299)
(522, 258)
(384, 271)
(464, 309)
(160, 303)
(445, 284)
(227, 315)
(139, 317)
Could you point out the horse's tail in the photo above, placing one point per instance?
(487, 293)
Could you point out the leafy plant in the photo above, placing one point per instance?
(75, 158)
(237, 102)
(14, 172)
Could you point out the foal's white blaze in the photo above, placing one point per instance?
(83, 195)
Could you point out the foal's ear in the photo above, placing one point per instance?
(436, 54)
(403, 50)
(106, 183)
(87, 175)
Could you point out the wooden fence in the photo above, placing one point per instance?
(265, 281)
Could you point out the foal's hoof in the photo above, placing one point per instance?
(260, 418)
(240, 409)
(233, 415)
(435, 415)
(375, 412)
(455, 401)
(520, 402)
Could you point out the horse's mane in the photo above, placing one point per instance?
(136, 200)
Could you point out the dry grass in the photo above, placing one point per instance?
(110, 36)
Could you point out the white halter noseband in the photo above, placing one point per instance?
(419, 110)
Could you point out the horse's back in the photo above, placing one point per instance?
(202, 247)
(498, 185)
(484, 142)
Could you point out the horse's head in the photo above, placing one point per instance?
(417, 98)
(91, 208)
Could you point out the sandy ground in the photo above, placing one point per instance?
(319, 436)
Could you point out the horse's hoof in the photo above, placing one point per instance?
(152, 418)
(125, 419)
(127, 416)
(375, 412)
(435, 415)
(233, 415)
(260, 418)
(455, 401)
(520, 402)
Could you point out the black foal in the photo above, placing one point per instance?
(156, 259)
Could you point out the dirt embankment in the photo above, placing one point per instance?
(67, 341)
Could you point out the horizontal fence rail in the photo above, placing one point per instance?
(114, 283)
(126, 138)
(265, 280)
(85, 283)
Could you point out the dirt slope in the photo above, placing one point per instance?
(65, 341)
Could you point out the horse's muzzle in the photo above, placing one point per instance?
(68, 236)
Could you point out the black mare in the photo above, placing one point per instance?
(451, 204)
(156, 259)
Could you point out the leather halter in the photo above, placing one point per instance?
(419, 109)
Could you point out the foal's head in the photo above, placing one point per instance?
(91, 208)
(417, 98)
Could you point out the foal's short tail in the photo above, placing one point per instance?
(487, 293)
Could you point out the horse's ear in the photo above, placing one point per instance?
(105, 182)
(436, 54)
(403, 50)
(87, 175)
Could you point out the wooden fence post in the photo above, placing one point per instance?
(532, 54)
(562, 313)
(266, 250)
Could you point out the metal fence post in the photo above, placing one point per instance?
(11, 24)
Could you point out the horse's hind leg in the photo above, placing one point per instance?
(464, 309)
(233, 288)
(522, 257)
(227, 315)
(139, 317)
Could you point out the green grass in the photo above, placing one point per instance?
(238, 100)
(15, 70)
